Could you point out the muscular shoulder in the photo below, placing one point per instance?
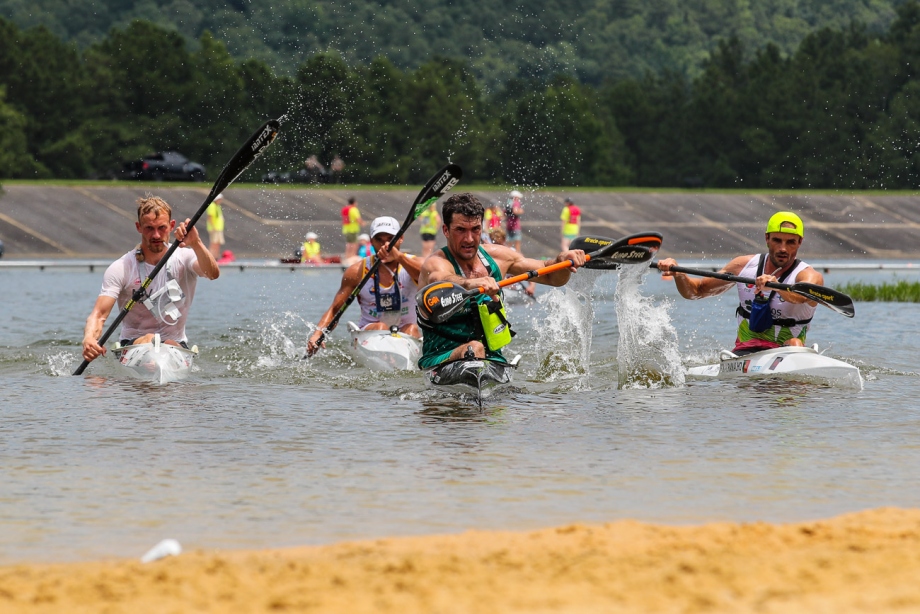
(436, 261)
(116, 276)
(353, 273)
(810, 275)
(502, 254)
(737, 264)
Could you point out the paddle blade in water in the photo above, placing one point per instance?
(439, 301)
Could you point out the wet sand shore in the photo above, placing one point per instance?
(862, 562)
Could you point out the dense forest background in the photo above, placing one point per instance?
(591, 40)
(834, 109)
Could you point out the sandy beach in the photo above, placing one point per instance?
(861, 562)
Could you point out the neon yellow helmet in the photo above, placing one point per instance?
(776, 223)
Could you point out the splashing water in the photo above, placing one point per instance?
(648, 354)
(564, 332)
(60, 364)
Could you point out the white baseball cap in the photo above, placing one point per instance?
(311, 235)
(219, 196)
(364, 237)
(516, 194)
(385, 224)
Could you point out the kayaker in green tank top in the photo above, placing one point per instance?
(468, 263)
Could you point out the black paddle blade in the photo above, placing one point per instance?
(248, 153)
(437, 186)
(650, 241)
(627, 254)
(838, 301)
(437, 302)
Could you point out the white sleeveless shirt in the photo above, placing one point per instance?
(367, 299)
(780, 309)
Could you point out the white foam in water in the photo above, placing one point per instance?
(648, 353)
(61, 363)
(564, 332)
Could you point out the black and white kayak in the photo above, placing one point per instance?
(385, 350)
(473, 376)
(156, 362)
(789, 362)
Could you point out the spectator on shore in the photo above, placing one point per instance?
(215, 226)
(310, 251)
(431, 223)
(365, 247)
(351, 226)
(494, 217)
(571, 222)
(316, 172)
(337, 167)
(513, 212)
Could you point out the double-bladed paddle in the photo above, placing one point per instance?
(439, 301)
(838, 301)
(248, 153)
(437, 186)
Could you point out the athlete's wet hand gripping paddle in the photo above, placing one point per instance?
(248, 153)
(439, 301)
(838, 301)
(437, 186)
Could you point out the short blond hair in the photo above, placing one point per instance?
(497, 234)
(148, 204)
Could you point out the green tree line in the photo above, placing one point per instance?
(591, 40)
(838, 112)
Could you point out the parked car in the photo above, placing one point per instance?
(166, 165)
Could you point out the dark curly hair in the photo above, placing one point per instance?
(464, 204)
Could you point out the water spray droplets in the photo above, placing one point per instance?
(648, 353)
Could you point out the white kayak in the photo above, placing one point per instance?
(158, 363)
(789, 362)
(385, 350)
(473, 376)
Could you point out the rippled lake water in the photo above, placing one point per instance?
(263, 449)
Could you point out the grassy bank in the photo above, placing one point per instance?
(894, 292)
(477, 185)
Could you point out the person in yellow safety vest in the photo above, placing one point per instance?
(215, 226)
(310, 250)
(431, 222)
(571, 222)
(351, 226)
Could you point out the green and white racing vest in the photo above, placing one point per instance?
(466, 325)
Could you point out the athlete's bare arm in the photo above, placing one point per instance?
(94, 324)
(513, 263)
(695, 288)
(205, 265)
(390, 257)
(350, 279)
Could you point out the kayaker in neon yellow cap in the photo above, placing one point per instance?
(787, 315)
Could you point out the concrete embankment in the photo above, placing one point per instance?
(92, 221)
